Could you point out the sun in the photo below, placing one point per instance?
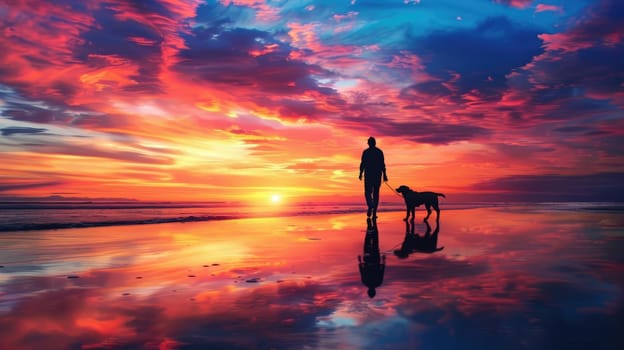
(276, 198)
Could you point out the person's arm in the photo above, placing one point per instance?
(383, 164)
(362, 165)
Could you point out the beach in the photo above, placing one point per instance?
(514, 277)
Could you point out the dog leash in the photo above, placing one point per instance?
(392, 189)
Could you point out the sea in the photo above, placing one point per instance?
(486, 276)
(25, 216)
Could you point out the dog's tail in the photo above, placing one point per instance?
(440, 194)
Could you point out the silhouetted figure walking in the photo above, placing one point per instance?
(373, 166)
(372, 264)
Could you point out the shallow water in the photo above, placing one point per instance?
(511, 277)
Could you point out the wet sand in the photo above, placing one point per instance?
(511, 277)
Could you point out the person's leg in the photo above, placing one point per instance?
(375, 198)
(368, 191)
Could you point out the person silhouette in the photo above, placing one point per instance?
(373, 166)
(371, 263)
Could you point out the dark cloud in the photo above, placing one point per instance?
(601, 25)
(95, 152)
(572, 74)
(476, 59)
(578, 108)
(62, 90)
(13, 130)
(34, 114)
(90, 120)
(425, 91)
(225, 58)
(602, 187)
(442, 134)
(582, 68)
(23, 186)
(298, 109)
(135, 41)
(420, 131)
(144, 8)
(219, 53)
(474, 116)
(50, 114)
(580, 130)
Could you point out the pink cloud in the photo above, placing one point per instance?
(521, 4)
(562, 42)
(349, 15)
(264, 11)
(544, 8)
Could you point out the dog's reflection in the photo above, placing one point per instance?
(427, 243)
(372, 264)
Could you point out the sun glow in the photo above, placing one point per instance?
(276, 198)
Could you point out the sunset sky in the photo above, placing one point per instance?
(248, 100)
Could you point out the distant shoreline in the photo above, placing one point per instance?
(68, 225)
(302, 210)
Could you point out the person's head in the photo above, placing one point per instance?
(371, 292)
(371, 142)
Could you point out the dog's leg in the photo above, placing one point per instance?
(428, 212)
(413, 212)
(407, 212)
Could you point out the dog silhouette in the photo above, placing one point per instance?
(414, 199)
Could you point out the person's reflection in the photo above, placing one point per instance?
(428, 243)
(372, 264)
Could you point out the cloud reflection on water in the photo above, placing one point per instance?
(506, 278)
